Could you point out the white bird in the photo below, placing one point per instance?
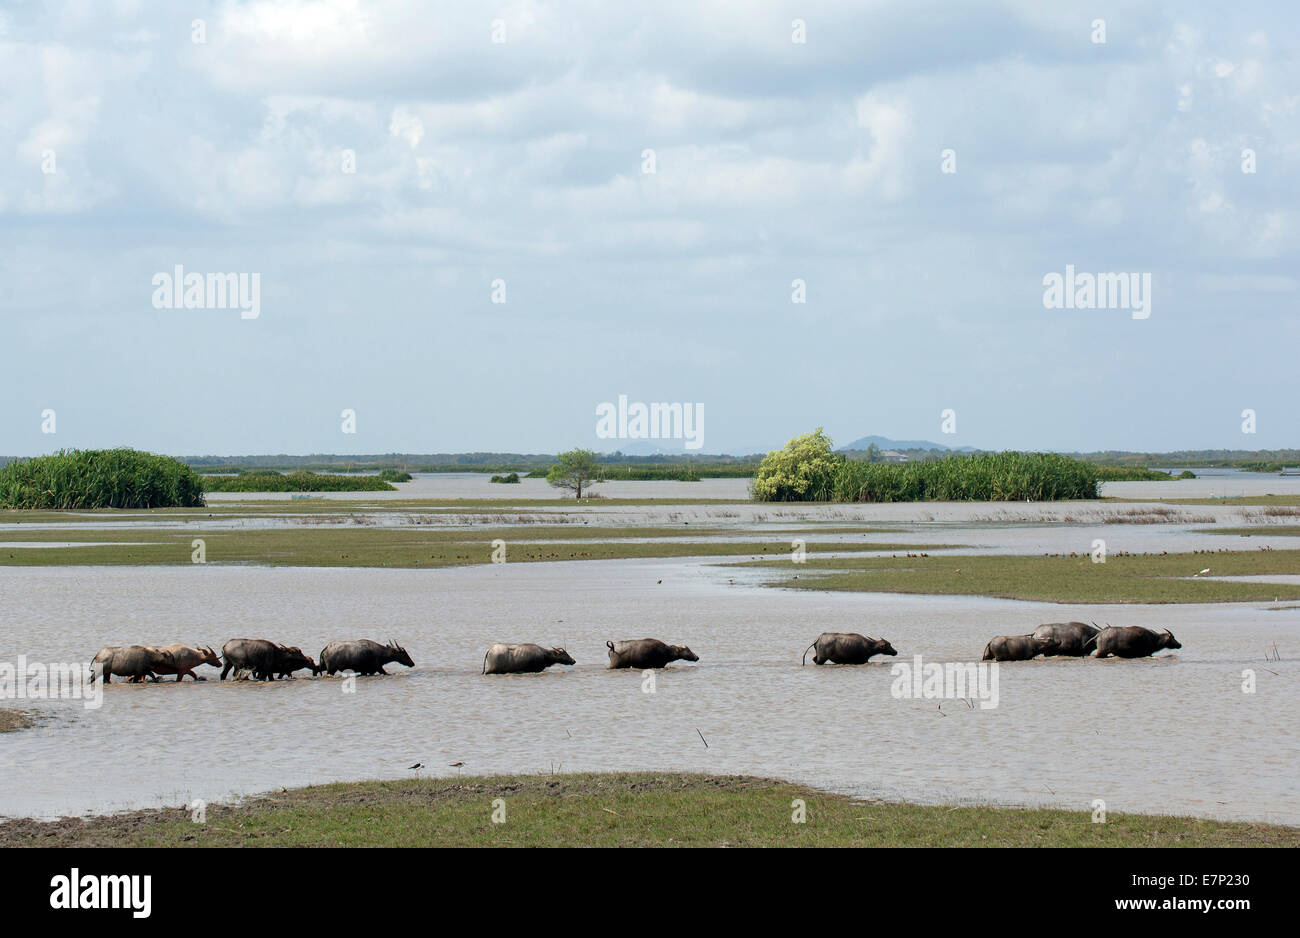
(1203, 572)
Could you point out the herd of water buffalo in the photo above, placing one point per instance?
(1079, 639)
(265, 660)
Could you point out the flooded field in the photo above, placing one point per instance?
(1171, 734)
(1209, 483)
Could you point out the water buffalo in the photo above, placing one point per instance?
(265, 659)
(187, 658)
(1014, 648)
(1133, 641)
(846, 648)
(522, 659)
(132, 661)
(289, 658)
(249, 654)
(1071, 639)
(362, 656)
(646, 653)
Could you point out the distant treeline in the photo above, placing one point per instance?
(615, 466)
(112, 478)
(301, 481)
(1264, 460)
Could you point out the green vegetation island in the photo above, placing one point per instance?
(299, 481)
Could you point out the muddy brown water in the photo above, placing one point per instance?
(1171, 734)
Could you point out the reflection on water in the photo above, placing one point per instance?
(1173, 734)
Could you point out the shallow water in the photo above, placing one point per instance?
(1170, 734)
(476, 485)
(1208, 484)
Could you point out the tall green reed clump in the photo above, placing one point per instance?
(983, 477)
(99, 478)
(808, 470)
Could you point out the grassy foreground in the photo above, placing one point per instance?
(624, 809)
(1143, 578)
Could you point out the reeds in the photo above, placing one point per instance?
(990, 477)
(111, 478)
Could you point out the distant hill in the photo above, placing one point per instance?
(885, 442)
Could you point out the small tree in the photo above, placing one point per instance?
(573, 470)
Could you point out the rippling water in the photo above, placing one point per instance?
(1171, 734)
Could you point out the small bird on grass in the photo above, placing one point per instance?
(418, 765)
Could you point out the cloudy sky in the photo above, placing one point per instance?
(135, 139)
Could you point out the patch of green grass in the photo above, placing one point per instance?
(622, 810)
(1121, 579)
(348, 545)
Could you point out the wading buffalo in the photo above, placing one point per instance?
(187, 658)
(264, 659)
(362, 656)
(1014, 648)
(133, 661)
(646, 653)
(289, 658)
(1071, 639)
(1133, 641)
(846, 648)
(522, 659)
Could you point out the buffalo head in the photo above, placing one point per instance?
(400, 655)
(684, 653)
